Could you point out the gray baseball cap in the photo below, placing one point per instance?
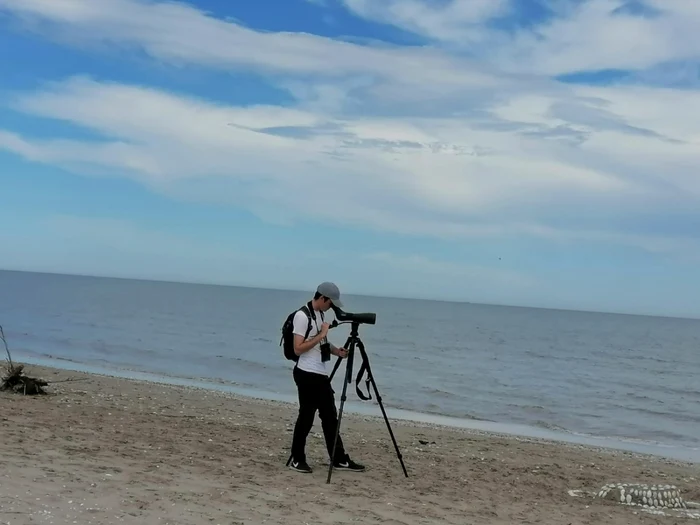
(331, 291)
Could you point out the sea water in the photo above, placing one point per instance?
(585, 377)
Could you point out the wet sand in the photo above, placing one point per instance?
(103, 450)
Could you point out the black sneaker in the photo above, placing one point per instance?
(348, 464)
(300, 466)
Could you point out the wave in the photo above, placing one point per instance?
(444, 394)
(433, 409)
(551, 426)
(666, 414)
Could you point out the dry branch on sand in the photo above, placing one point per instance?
(13, 378)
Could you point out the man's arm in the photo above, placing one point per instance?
(301, 323)
(301, 346)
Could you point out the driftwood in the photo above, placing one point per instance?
(13, 378)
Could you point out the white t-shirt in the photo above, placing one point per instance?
(310, 361)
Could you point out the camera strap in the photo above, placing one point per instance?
(363, 368)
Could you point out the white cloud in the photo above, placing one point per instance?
(177, 33)
(455, 20)
(409, 140)
(577, 35)
(597, 35)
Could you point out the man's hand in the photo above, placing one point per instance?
(324, 329)
(340, 352)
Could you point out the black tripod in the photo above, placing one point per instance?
(352, 342)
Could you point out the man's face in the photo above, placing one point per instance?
(326, 304)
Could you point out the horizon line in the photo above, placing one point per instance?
(375, 296)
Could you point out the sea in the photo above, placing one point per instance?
(628, 382)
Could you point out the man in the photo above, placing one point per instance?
(313, 382)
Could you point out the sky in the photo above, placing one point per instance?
(525, 152)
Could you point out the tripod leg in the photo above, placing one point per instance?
(337, 365)
(370, 378)
(338, 361)
(343, 397)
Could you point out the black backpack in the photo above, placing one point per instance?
(287, 340)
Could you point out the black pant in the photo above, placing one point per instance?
(315, 393)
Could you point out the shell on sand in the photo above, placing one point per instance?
(643, 495)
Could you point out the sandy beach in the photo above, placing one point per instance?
(102, 450)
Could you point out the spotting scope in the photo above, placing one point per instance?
(345, 317)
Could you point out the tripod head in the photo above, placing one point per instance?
(362, 318)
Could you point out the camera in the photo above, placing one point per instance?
(325, 351)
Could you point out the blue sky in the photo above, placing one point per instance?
(534, 152)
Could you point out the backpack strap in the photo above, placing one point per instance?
(309, 311)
